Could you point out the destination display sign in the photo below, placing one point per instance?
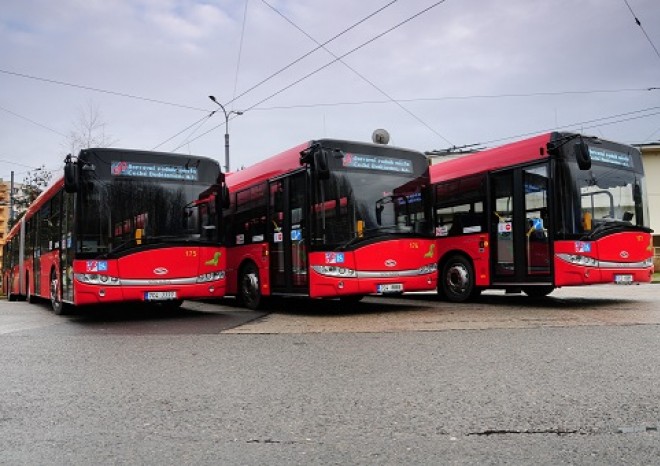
(153, 170)
(375, 162)
(610, 157)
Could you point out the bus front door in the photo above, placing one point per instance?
(519, 225)
(287, 240)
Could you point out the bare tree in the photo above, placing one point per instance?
(88, 130)
(34, 183)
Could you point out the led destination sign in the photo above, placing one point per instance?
(610, 157)
(152, 170)
(374, 162)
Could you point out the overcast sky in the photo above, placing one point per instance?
(463, 72)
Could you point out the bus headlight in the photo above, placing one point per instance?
(577, 259)
(96, 279)
(333, 271)
(648, 262)
(211, 276)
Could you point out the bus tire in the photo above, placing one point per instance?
(249, 287)
(456, 282)
(55, 295)
(538, 291)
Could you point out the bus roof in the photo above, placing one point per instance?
(527, 150)
(289, 160)
(46, 195)
(261, 171)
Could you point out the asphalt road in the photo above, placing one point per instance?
(572, 379)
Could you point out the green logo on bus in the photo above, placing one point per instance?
(214, 261)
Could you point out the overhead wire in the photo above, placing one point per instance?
(360, 75)
(466, 97)
(32, 121)
(587, 124)
(200, 121)
(302, 57)
(639, 23)
(96, 89)
(240, 50)
(312, 73)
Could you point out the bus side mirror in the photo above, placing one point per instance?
(224, 196)
(71, 178)
(582, 155)
(321, 164)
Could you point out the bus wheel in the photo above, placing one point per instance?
(456, 283)
(55, 295)
(249, 292)
(538, 291)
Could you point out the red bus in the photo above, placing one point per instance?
(559, 209)
(330, 219)
(121, 225)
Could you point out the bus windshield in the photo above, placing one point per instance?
(362, 202)
(607, 196)
(125, 205)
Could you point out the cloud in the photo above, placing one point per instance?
(181, 51)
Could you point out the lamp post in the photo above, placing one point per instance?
(235, 112)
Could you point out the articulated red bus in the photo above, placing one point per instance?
(121, 225)
(559, 209)
(330, 219)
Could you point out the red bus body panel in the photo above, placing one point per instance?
(143, 272)
(532, 149)
(403, 255)
(257, 253)
(612, 252)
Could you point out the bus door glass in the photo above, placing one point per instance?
(519, 225)
(288, 254)
(537, 245)
(276, 234)
(297, 213)
(502, 225)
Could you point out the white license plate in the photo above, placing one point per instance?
(623, 279)
(390, 288)
(159, 295)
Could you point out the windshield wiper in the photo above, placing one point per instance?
(613, 225)
(364, 237)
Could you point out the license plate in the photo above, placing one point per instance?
(390, 288)
(159, 295)
(623, 279)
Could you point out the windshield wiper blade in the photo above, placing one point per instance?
(394, 231)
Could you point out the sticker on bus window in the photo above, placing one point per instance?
(240, 239)
(96, 266)
(278, 237)
(504, 227)
(441, 230)
(582, 246)
(296, 235)
(334, 257)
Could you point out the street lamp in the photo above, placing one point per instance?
(236, 112)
